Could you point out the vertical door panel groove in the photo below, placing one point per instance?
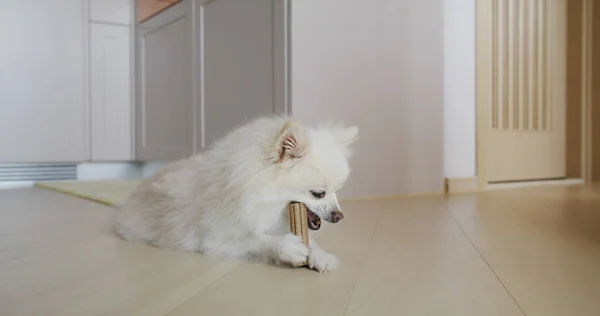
(523, 66)
(542, 71)
(495, 68)
(505, 64)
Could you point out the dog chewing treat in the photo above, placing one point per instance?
(299, 222)
(227, 200)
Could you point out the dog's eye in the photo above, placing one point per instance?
(318, 194)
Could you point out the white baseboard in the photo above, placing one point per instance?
(461, 185)
(117, 170)
(149, 168)
(524, 184)
(107, 171)
(15, 184)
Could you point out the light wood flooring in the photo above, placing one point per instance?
(531, 251)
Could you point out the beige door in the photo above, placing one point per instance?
(526, 136)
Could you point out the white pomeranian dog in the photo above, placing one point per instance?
(232, 200)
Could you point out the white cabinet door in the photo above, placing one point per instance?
(111, 11)
(110, 93)
(165, 80)
(42, 81)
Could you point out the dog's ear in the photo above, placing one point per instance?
(291, 142)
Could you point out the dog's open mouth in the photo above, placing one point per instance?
(314, 221)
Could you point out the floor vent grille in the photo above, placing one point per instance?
(37, 172)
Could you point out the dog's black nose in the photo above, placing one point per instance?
(336, 216)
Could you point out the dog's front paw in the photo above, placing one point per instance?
(292, 250)
(322, 261)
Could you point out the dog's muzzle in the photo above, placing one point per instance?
(314, 221)
(336, 216)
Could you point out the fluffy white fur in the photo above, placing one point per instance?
(232, 200)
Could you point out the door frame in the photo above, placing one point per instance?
(483, 88)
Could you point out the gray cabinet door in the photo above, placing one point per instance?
(165, 81)
(242, 63)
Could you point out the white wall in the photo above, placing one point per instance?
(459, 88)
(377, 64)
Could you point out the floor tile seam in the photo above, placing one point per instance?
(504, 286)
(362, 263)
(202, 288)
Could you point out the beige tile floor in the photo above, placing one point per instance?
(533, 251)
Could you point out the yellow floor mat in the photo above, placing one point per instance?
(108, 192)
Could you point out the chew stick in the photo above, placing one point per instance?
(299, 221)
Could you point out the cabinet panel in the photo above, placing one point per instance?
(42, 81)
(110, 93)
(165, 85)
(238, 63)
(111, 11)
